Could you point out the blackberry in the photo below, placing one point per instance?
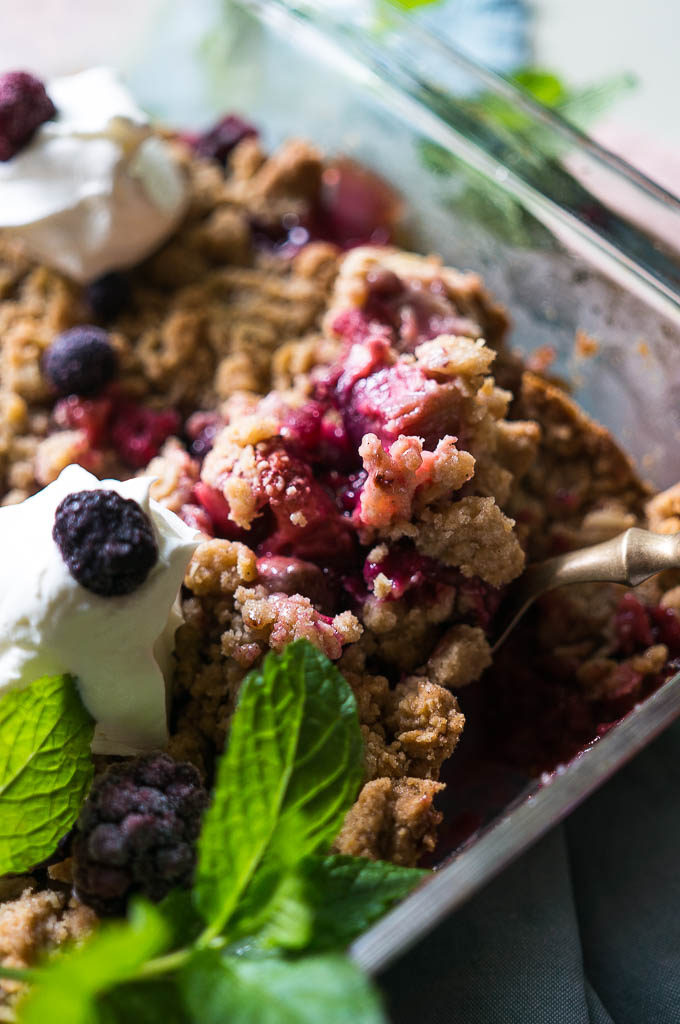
(80, 361)
(109, 295)
(218, 142)
(107, 541)
(137, 832)
(24, 106)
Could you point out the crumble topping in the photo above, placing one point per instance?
(334, 425)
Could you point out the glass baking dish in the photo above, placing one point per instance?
(566, 235)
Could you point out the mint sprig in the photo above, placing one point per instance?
(290, 773)
(259, 940)
(45, 769)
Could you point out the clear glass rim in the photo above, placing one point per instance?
(520, 827)
(400, 64)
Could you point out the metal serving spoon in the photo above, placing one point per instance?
(630, 558)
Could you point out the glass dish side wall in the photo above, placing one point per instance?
(502, 202)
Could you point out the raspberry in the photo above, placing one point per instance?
(216, 506)
(218, 142)
(106, 541)
(138, 433)
(108, 295)
(197, 518)
(89, 414)
(137, 832)
(24, 106)
(80, 361)
(290, 490)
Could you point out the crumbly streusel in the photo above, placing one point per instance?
(332, 424)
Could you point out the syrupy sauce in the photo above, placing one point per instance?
(527, 719)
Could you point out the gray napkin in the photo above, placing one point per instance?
(583, 929)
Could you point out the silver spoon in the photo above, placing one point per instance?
(630, 558)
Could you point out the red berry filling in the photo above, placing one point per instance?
(308, 523)
(409, 571)
(396, 400)
(355, 207)
(414, 311)
(638, 626)
(137, 433)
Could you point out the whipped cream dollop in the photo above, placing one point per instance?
(118, 648)
(94, 190)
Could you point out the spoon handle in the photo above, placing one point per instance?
(630, 558)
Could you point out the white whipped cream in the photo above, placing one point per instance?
(118, 648)
(93, 191)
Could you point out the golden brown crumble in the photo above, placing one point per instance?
(34, 922)
(458, 474)
(393, 819)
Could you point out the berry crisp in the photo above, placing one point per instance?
(369, 465)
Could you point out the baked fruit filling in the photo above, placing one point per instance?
(325, 409)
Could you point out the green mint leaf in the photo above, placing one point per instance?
(347, 894)
(287, 918)
(544, 86)
(45, 769)
(142, 1002)
(327, 903)
(182, 919)
(331, 989)
(291, 770)
(66, 989)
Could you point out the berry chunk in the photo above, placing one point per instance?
(280, 574)
(24, 106)
(357, 206)
(398, 400)
(80, 361)
(106, 541)
(218, 142)
(109, 295)
(138, 433)
(137, 832)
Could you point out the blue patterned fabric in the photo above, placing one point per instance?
(584, 929)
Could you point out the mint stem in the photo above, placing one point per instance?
(164, 964)
(16, 974)
(172, 961)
